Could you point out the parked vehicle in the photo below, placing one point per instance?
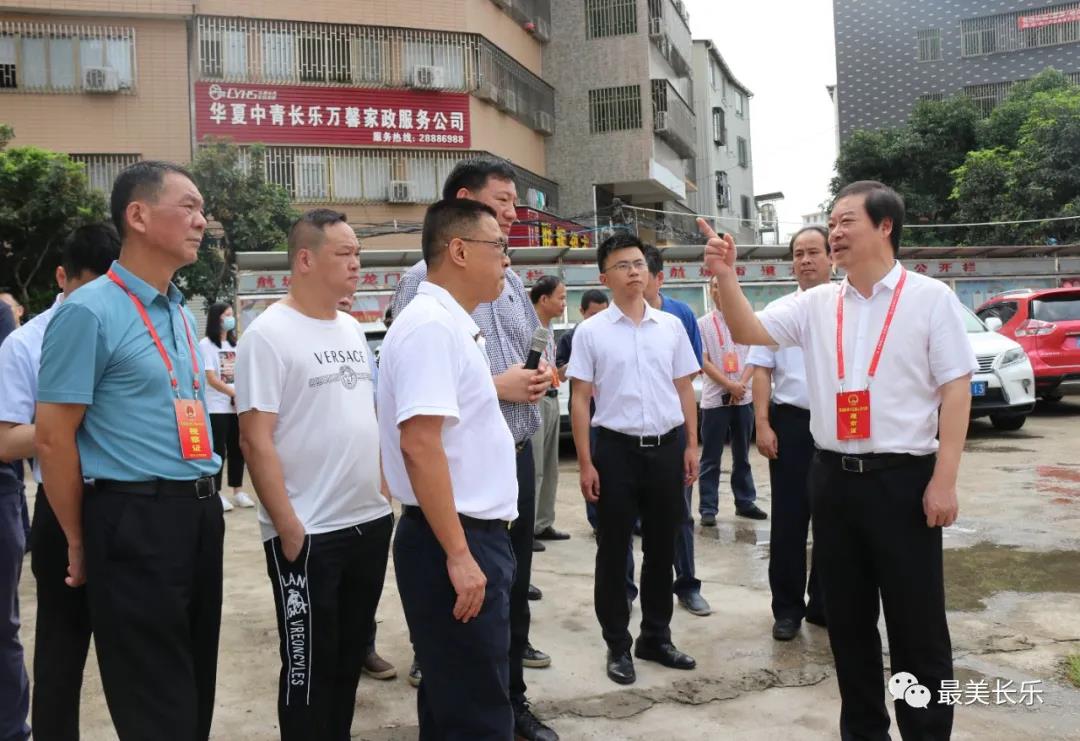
(1004, 387)
(1046, 323)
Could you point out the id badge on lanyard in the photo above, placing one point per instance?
(730, 359)
(853, 407)
(189, 413)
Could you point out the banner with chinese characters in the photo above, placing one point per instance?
(1049, 18)
(302, 114)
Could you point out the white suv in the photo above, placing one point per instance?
(1004, 387)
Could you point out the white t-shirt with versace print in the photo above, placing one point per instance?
(316, 376)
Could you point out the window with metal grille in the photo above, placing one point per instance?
(723, 190)
(610, 18)
(929, 44)
(55, 58)
(719, 127)
(615, 109)
(932, 97)
(102, 169)
(988, 96)
(744, 152)
(1021, 29)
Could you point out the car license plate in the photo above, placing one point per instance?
(978, 388)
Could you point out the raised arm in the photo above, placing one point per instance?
(720, 254)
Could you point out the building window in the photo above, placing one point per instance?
(740, 104)
(1021, 29)
(39, 57)
(987, 97)
(932, 97)
(744, 152)
(102, 169)
(615, 109)
(929, 44)
(610, 18)
(719, 127)
(747, 220)
(723, 190)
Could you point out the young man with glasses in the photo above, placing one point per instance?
(640, 365)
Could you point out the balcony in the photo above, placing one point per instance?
(533, 15)
(669, 31)
(673, 119)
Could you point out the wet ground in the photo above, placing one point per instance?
(1012, 566)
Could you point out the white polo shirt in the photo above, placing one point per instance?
(433, 363)
(633, 369)
(926, 348)
(788, 366)
(716, 341)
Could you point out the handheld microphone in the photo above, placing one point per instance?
(536, 349)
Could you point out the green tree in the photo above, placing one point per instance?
(43, 196)
(253, 213)
(1002, 127)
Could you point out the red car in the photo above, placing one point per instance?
(1046, 323)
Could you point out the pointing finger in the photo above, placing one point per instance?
(706, 230)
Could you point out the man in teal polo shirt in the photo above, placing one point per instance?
(120, 396)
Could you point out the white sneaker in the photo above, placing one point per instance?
(243, 500)
(226, 505)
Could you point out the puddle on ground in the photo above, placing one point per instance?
(976, 573)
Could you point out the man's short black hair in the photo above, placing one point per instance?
(308, 230)
(617, 241)
(654, 259)
(881, 202)
(91, 248)
(473, 173)
(447, 219)
(544, 287)
(823, 231)
(592, 296)
(141, 180)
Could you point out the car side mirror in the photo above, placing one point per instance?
(993, 323)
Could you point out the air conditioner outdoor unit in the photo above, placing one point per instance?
(429, 78)
(544, 122)
(656, 28)
(100, 80)
(542, 31)
(402, 191)
(508, 101)
(487, 90)
(661, 122)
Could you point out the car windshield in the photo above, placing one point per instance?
(972, 323)
(1063, 308)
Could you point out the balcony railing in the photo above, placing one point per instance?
(673, 119)
(669, 31)
(525, 12)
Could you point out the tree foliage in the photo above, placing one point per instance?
(1021, 162)
(43, 196)
(253, 213)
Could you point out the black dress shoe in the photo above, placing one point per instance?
(665, 654)
(620, 668)
(538, 546)
(530, 728)
(785, 629)
(550, 533)
(535, 593)
(752, 512)
(708, 520)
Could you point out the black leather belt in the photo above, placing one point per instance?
(641, 441)
(791, 409)
(552, 393)
(203, 488)
(471, 523)
(869, 462)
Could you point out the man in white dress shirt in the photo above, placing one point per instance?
(449, 458)
(885, 352)
(783, 436)
(640, 365)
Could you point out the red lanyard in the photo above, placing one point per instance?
(881, 340)
(720, 334)
(157, 340)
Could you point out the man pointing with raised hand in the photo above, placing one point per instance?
(885, 351)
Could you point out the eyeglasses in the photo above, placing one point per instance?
(624, 266)
(500, 244)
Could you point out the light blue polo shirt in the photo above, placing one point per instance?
(97, 352)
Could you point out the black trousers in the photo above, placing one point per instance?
(521, 542)
(62, 634)
(326, 601)
(153, 577)
(225, 429)
(871, 540)
(464, 695)
(645, 483)
(790, 520)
